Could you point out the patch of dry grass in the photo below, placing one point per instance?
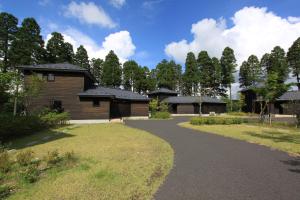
(284, 139)
(115, 162)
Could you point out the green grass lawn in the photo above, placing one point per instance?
(115, 162)
(284, 139)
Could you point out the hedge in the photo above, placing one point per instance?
(160, 115)
(16, 126)
(216, 120)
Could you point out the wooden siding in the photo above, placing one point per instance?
(213, 107)
(185, 109)
(139, 108)
(65, 88)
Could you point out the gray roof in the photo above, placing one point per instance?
(192, 99)
(113, 93)
(289, 96)
(58, 67)
(163, 90)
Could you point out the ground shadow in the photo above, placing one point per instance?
(276, 136)
(40, 138)
(295, 163)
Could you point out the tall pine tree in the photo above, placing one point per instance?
(278, 64)
(228, 64)
(8, 30)
(130, 75)
(28, 48)
(293, 56)
(206, 71)
(112, 71)
(81, 58)
(217, 78)
(191, 75)
(97, 69)
(58, 50)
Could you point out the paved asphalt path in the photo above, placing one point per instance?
(212, 167)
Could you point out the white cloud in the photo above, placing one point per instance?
(117, 3)
(120, 42)
(254, 31)
(89, 13)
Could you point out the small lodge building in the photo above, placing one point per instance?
(283, 105)
(73, 89)
(188, 104)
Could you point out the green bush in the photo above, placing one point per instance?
(14, 126)
(216, 120)
(5, 161)
(31, 173)
(161, 115)
(53, 119)
(25, 158)
(4, 191)
(52, 158)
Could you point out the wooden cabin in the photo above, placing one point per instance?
(73, 89)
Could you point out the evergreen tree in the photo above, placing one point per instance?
(112, 71)
(165, 74)
(255, 70)
(151, 80)
(206, 71)
(130, 75)
(142, 80)
(217, 90)
(228, 64)
(97, 69)
(178, 76)
(244, 74)
(58, 50)
(191, 75)
(293, 56)
(278, 64)
(81, 58)
(8, 30)
(28, 48)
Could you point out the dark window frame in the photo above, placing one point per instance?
(50, 75)
(96, 103)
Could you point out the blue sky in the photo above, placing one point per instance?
(151, 30)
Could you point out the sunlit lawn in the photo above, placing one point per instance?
(285, 139)
(115, 162)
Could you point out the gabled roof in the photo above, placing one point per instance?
(57, 67)
(192, 99)
(163, 91)
(113, 93)
(290, 96)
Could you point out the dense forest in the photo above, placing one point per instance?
(24, 45)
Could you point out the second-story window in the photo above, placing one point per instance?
(50, 77)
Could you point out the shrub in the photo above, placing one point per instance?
(52, 119)
(153, 105)
(52, 158)
(161, 115)
(5, 161)
(31, 173)
(25, 158)
(216, 120)
(14, 126)
(163, 107)
(4, 191)
(70, 156)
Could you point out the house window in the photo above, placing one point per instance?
(50, 77)
(96, 103)
(57, 106)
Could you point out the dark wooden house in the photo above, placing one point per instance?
(283, 105)
(71, 88)
(188, 104)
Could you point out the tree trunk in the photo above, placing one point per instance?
(298, 82)
(230, 98)
(270, 114)
(16, 100)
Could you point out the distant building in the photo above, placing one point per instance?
(188, 104)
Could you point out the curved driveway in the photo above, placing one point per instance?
(212, 167)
